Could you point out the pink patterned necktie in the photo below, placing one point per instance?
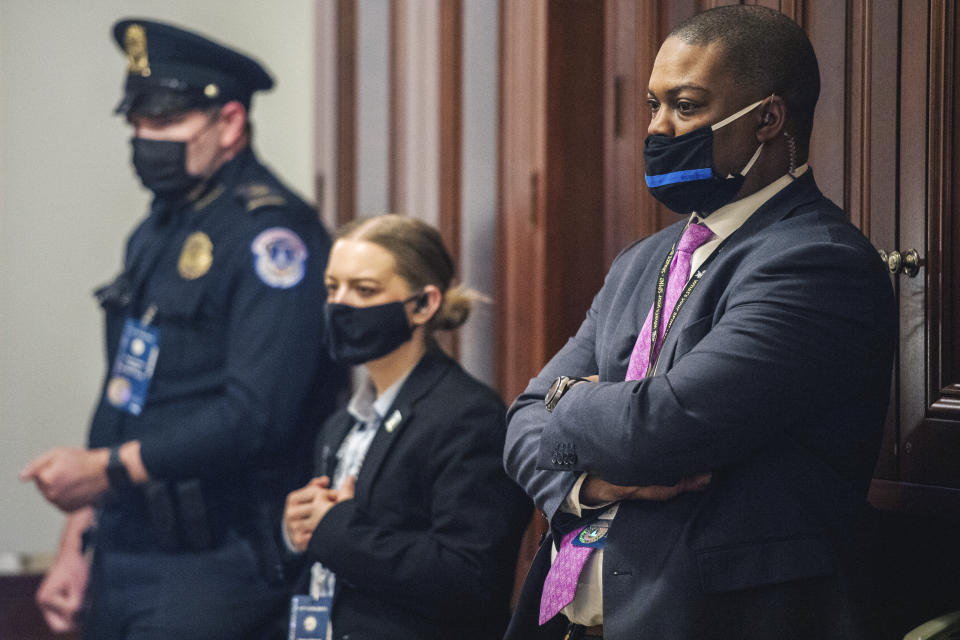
(693, 237)
(561, 583)
(560, 587)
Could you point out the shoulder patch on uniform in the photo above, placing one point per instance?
(279, 257)
(257, 195)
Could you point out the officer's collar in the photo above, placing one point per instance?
(229, 173)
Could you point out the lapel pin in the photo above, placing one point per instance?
(391, 423)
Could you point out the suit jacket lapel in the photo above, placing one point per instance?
(617, 343)
(800, 192)
(423, 378)
(326, 455)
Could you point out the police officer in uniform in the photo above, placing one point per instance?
(215, 370)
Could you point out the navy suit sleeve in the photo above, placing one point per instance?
(527, 418)
(273, 342)
(802, 330)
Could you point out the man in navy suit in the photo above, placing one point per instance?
(710, 432)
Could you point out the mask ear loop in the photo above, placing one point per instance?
(756, 154)
(739, 114)
(745, 110)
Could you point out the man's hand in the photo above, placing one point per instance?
(69, 477)
(61, 593)
(596, 491)
(307, 506)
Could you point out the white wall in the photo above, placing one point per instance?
(68, 198)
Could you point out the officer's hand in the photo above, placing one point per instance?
(304, 509)
(596, 491)
(69, 477)
(61, 593)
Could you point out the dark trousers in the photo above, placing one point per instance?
(208, 595)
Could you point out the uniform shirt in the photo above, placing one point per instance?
(236, 281)
(587, 605)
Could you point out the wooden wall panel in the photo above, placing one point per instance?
(573, 182)
(551, 176)
(930, 402)
(346, 111)
(943, 250)
(826, 25)
(949, 230)
(521, 309)
(397, 143)
(450, 122)
(625, 98)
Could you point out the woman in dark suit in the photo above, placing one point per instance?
(411, 517)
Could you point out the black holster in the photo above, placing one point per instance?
(189, 515)
(179, 516)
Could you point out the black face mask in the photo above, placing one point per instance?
(162, 167)
(679, 169)
(360, 334)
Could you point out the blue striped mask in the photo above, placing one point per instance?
(679, 169)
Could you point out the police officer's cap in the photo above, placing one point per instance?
(171, 70)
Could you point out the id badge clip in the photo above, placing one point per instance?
(309, 617)
(133, 367)
(594, 535)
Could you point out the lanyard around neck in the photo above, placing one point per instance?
(661, 294)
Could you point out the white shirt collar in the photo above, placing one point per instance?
(366, 406)
(728, 218)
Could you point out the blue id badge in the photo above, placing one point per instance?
(594, 535)
(309, 617)
(133, 367)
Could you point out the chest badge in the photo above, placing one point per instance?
(196, 256)
(393, 421)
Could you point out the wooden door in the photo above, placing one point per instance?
(919, 470)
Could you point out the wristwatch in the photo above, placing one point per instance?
(559, 387)
(117, 474)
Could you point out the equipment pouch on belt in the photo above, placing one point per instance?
(179, 516)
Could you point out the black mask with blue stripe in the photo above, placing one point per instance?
(679, 169)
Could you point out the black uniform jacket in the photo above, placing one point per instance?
(428, 546)
(236, 278)
(774, 377)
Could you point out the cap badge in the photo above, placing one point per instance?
(196, 256)
(135, 43)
